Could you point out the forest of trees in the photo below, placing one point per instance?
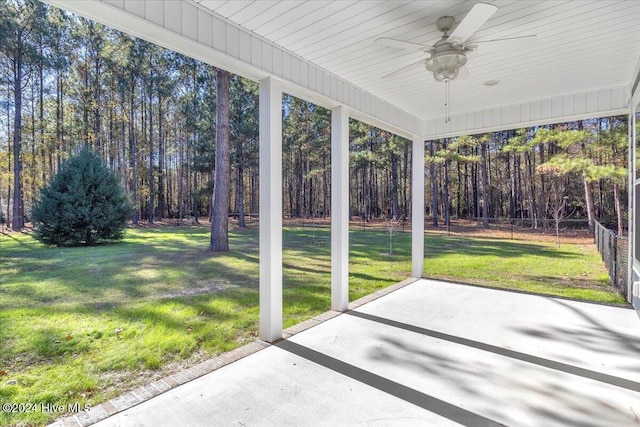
(525, 173)
(68, 83)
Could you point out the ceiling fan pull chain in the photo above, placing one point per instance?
(447, 102)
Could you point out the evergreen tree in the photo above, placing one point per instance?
(83, 204)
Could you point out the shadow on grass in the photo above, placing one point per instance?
(21, 243)
(365, 276)
(298, 268)
(572, 282)
(374, 245)
(159, 314)
(435, 248)
(125, 270)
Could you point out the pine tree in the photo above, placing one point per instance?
(83, 204)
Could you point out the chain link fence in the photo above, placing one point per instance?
(614, 251)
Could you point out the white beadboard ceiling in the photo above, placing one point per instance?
(582, 46)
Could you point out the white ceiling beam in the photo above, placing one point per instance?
(600, 103)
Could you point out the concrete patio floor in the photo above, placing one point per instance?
(430, 353)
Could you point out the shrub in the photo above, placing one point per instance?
(83, 204)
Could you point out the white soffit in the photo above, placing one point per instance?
(583, 48)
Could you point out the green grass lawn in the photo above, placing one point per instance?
(81, 325)
(573, 270)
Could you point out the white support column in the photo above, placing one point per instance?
(270, 210)
(633, 203)
(339, 209)
(417, 208)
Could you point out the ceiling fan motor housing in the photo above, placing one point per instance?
(445, 24)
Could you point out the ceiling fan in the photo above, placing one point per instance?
(448, 56)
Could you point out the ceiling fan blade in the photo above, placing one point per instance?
(478, 15)
(405, 70)
(401, 44)
(512, 43)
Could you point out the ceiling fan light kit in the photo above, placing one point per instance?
(446, 65)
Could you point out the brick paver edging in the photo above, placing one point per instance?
(146, 392)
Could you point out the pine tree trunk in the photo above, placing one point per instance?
(434, 187)
(518, 172)
(395, 208)
(220, 203)
(512, 189)
(588, 195)
(618, 205)
(151, 159)
(405, 180)
(161, 155)
(447, 197)
(467, 193)
(97, 119)
(240, 189)
(133, 183)
(240, 174)
(17, 220)
(325, 188)
(196, 197)
(532, 190)
(459, 192)
(299, 183)
(474, 190)
(485, 218)
(542, 203)
(41, 125)
(9, 160)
